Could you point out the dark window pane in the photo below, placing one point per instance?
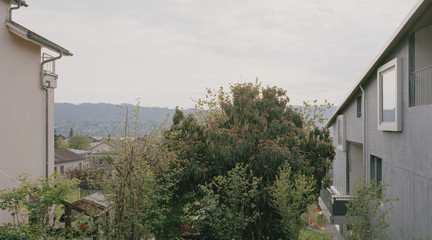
(359, 106)
(379, 169)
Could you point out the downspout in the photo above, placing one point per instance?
(365, 165)
(19, 4)
(11, 9)
(46, 111)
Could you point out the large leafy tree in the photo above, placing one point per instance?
(255, 126)
(79, 142)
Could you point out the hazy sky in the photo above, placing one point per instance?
(166, 52)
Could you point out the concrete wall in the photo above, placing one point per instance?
(423, 48)
(352, 134)
(406, 155)
(22, 106)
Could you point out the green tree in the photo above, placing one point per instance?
(34, 200)
(314, 113)
(62, 143)
(224, 211)
(291, 195)
(366, 215)
(138, 186)
(255, 127)
(89, 178)
(79, 141)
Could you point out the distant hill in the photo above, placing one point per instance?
(102, 119)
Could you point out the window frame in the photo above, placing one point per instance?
(341, 143)
(397, 124)
(374, 170)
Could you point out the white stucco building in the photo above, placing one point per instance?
(27, 83)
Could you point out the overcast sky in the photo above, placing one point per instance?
(167, 52)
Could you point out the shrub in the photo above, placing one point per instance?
(225, 211)
(291, 195)
(366, 213)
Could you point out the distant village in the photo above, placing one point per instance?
(94, 154)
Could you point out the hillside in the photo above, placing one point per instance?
(103, 119)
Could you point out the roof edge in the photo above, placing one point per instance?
(35, 38)
(400, 31)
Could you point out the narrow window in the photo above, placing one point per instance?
(359, 106)
(341, 132)
(376, 168)
(61, 169)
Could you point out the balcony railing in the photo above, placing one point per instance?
(336, 198)
(421, 87)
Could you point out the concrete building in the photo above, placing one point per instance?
(383, 130)
(27, 83)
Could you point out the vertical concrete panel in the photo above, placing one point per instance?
(420, 197)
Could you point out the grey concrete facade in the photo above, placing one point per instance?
(406, 155)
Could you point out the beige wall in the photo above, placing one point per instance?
(22, 108)
(102, 147)
(69, 165)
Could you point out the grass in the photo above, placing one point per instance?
(306, 234)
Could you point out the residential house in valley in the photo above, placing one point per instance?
(27, 80)
(383, 130)
(102, 147)
(66, 159)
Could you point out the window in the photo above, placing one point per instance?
(376, 168)
(55, 169)
(61, 169)
(359, 106)
(341, 132)
(389, 96)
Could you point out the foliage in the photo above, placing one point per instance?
(89, 178)
(34, 200)
(79, 141)
(225, 211)
(366, 213)
(137, 187)
(71, 132)
(209, 107)
(313, 113)
(60, 143)
(306, 234)
(291, 195)
(254, 127)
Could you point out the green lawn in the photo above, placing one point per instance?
(306, 234)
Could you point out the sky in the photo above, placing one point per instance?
(167, 52)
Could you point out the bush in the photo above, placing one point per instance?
(366, 213)
(31, 205)
(225, 211)
(291, 195)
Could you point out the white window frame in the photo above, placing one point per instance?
(397, 124)
(341, 144)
